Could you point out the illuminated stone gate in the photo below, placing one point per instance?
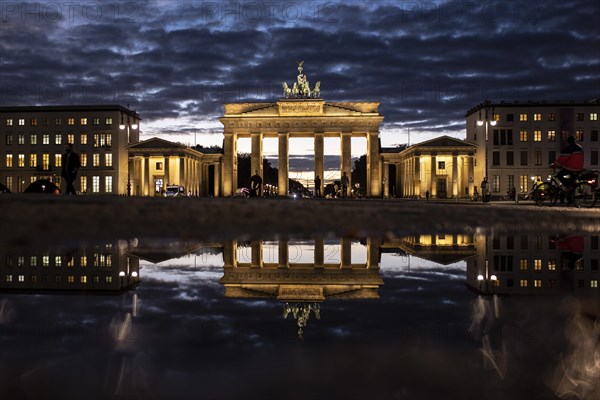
(301, 113)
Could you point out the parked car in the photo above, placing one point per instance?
(174, 191)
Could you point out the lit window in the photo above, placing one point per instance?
(524, 183)
(496, 117)
(95, 184)
(108, 159)
(83, 184)
(83, 261)
(58, 138)
(21, 121)
(108, 184)
(33, 261)
(9, 161)
(96, 121)
(83, 121)
(45, 139)
(108, 121)
(552, 136)
(33, 160)
(45, 261)
(20, 261)
(523, 283)
(594, 283)
(83, 138)
(537, 283)
(523, 135)
(45, 161)
(58, 160)
(83, 279)
(537, 265)
(551, 265)
(70, 121)
(593, 116)
(537, 117)
(9, 122)
(21, 160)
(58, 261)
(522, 117)
(95, 160)
(21, 278)
(537, 136)
(70, 279)
(21, 138)
(523, 265)
(33, 138)
(8, 278)
(83, 159)
(71, 138)
(33, 121)
(579, 135)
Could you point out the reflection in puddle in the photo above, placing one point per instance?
(518, 314)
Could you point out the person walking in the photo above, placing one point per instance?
(344, 182)
(70, 165)
(256, 184)
(485, 190)
(317, 186)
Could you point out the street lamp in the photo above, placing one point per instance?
(487, 121)
(128, 126)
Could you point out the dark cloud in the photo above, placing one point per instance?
(426, 62)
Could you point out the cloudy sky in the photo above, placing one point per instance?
(177, 62)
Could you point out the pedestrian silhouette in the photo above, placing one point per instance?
(317, 186)
(256, 184)
(344, 182)
(70, 164)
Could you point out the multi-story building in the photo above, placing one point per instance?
(33, 138)
(535, 264)
(517, 141)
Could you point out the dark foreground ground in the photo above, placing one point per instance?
(33, 218)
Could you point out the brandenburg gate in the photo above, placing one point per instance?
(301, 113)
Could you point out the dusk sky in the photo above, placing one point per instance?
(177, 62)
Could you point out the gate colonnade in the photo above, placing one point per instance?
(292, 118)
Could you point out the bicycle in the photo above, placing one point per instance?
(581, 193)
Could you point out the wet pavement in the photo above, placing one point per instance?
(433, 305)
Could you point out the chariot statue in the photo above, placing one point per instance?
(287, 92)
(316, 92)
(301, 88)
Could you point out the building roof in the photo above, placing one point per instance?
(74, 107)
(530, 103)
(155, 143)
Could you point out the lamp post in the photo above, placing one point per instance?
(487, 120)
(128, 126)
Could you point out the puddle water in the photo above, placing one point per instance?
(415, 317)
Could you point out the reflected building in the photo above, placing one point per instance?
(535, 264)
(301, 285)
(97, 268)
(439, 248)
